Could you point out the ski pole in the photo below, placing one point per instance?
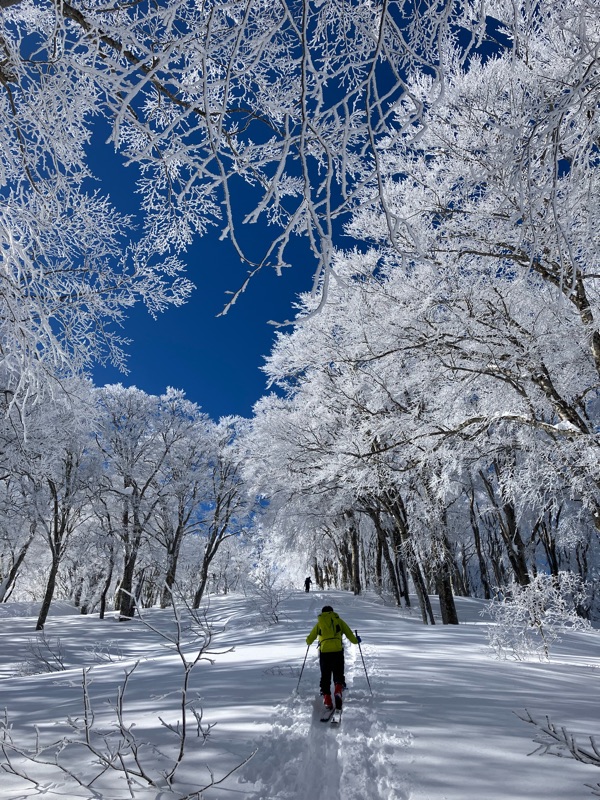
(364, 665)
(302, 670)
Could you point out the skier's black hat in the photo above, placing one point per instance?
(326, 608)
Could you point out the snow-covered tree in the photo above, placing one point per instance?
(528, 620)
(17, 532)
(57, 474)
(455, 358)
(185, 480)
(224, 113)
(136, 434)
(227, 508)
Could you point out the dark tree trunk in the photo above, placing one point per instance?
(515, 548)
(132, 534)
(106, 586)
(447, 569)
(173, 551)
(496, 559)
(379, 565)
(396, 508)
(509, 531)
(57, 535)
(318, 573)
(166, 594)
(9, 579)
(49, 593)
(483, 570)
(126, 599)
(543, 531)
(383, 552)
(421, 589)
(201, 583)
(446, 596)
(345, 559)
(355, 541)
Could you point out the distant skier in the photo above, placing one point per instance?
(330, 628)
(307, 584)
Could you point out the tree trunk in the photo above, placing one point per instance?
(509, 531)
(11, 576)
(483, 571)
(131, 536)
(421, 589)
(106, 586)
(395, 506)
(446, 596)
(379, 566)
(318, 573)
(166, 596)
(210, 552)
(202, 582)
(463, 584)
(515, 548)
(402, 579)
(125, 597)
(447, 569)
(355, 542)
(49, 594)
(383, 551)
(543, 531)
(345, 560)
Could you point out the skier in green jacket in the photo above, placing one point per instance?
(330, 629)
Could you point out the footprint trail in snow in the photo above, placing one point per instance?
(303, 758)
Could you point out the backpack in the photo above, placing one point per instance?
(329, 626)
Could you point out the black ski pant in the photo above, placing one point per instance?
(332, 664)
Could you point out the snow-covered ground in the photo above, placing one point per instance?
(440, 724)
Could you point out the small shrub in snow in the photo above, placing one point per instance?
(529, 619)
(44, 655)
(267, 594)
(105, 652)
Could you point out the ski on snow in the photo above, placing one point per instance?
(334, 716)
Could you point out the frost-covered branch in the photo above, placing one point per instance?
(560, 741)
(227, 113)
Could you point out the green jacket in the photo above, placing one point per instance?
(329, 628)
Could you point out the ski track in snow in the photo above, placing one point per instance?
(361, 758)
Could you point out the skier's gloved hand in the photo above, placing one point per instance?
(358, 640)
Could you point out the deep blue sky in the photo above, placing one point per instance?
(215, 360)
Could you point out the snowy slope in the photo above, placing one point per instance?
(439, 726)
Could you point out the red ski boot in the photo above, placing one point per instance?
(338, 695)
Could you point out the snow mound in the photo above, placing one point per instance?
(23, 609)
